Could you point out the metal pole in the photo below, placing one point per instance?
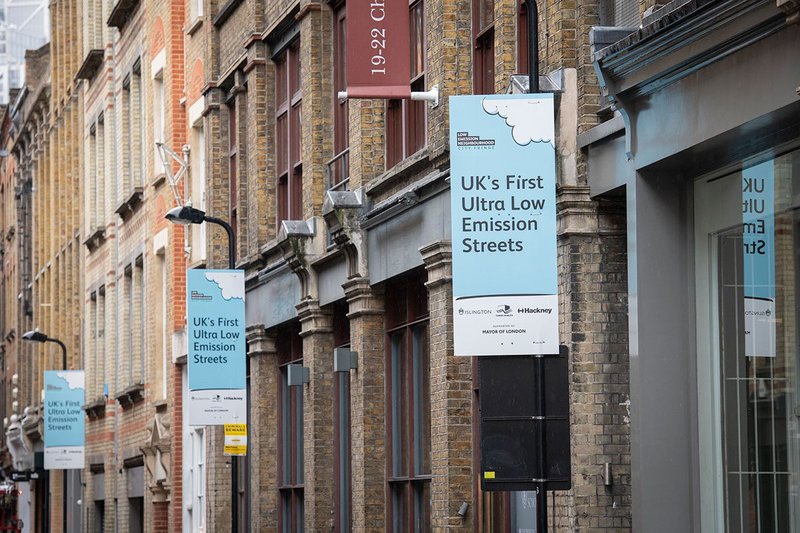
(533, 45)
(234, 460)
(63, 472)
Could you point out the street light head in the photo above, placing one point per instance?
(34, 336)
(185, 214)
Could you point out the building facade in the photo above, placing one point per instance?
(677, 138)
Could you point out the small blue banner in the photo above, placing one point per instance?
(64, 419)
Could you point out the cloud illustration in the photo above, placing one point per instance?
(530, 120)
(231, 285)
(75, 380)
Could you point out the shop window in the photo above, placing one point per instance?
(747, 236)
(408, 405)
(339, 165)
(405, 119)
(288, 133)
(483, 45)
(290, 442)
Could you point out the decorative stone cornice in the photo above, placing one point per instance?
(300, 244)
(362, 298)
(438, 259)
(259, 342)
(313, 318)
(156, 452)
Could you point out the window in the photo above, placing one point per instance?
(97, 346)
(195, 10)
(194, 475)
(288, 134)
(290, 442)
(405, 119)
(483, 37)
(132, 174)
(95, 173)
(135, 299)
(197, 190)
(159, 119)
(522, 38)
(339, 166)
(160, 308)
(747, 275)
(408, 405)
(341, 415)
(233, 169)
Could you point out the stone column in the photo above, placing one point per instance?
(367, 404)
(451, 400)
(317, 332)
(263, 433)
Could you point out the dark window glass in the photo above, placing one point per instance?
(405, 119)
(408, 406)
(288, 134)
(290, 443)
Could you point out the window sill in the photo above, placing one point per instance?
(95, 239)
(403, 169)
(130, 204)
(131, 395)
(194, 26)
(96, 408)
(160, 178)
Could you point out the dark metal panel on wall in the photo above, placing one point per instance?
(393, 246)
(273, 301)
(331, 277)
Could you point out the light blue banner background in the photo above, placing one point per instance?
(64, 396)
(216, 329)
(522, 130)
(758, 235)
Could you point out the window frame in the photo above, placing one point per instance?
(291, 435)
(483, 47)
(288, 133)
(408, 422)
(406, 119)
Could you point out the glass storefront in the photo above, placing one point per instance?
(747, 269)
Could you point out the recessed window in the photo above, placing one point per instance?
(288, 134)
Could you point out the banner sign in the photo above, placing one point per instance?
(235, 440)
(378, 44)
(217, 374)
(64, 419)
(502, 188)
(758, 241)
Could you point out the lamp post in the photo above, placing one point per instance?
(185, 215)
(37, 336)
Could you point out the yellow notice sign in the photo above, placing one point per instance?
(489, 474)
(235, 439)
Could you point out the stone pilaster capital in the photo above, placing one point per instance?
(259, 342)
(362, 298)
(438, 259)
(313, 318)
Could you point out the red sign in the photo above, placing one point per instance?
(378, 49)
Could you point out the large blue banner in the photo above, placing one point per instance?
(502, 188)
(64, 419)
(216, 331)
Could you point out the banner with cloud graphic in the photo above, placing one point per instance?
(216, 355)
(502, 187)
(64, 419)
